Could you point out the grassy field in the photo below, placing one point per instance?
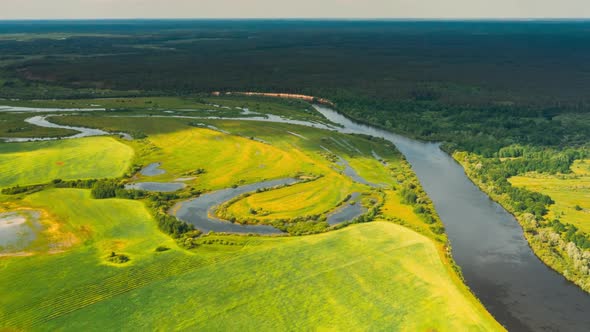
(264, 283)
(105, 225)
(41, 162)
(375, 275)
(373, 170)
(99, 228)
(571, 193)
(255, 151)
(227, 159)
(310, 198)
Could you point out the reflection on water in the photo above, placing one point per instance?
(350, 210)
(18, 230)
(200, 211)
(152, 170)
(156, 186)
(488, 243)
(42, 121)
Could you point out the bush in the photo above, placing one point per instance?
(22, 190)
(118, 258)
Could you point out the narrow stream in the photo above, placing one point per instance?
(200, 211)
(41, 121)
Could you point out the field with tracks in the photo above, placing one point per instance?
(40, 162)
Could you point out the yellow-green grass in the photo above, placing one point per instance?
(305, 199)
(282, 135)
(571, 193)
(106, 225)
(40, 162)
(393, 207)
(73, 278)
(372, 170)
(231, 159)
(318, 196)
(227, 159)
(321, 195)
(377, 275)
(581, 167)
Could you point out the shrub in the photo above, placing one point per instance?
(118, 258)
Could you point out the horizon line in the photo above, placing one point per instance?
(408, 19)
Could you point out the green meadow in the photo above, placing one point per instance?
(40, 162)
(108, 266)
(310, 198)
(571, 193)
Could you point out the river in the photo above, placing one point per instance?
(488, 243)
(200, 211)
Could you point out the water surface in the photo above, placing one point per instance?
(152, 169)
(488, 243)
(347, 211)
(200, 211)
(41, 121)
(156, 186)
(18, 230)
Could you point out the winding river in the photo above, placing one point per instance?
(488, 243)
(41, 121)
(200, 211)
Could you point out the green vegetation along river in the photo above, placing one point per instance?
(488, 243)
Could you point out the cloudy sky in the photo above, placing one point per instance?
(27, 9)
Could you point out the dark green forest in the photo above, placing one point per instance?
(479, 86)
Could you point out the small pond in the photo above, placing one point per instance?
(348, 211)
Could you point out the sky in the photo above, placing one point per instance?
(84, 9)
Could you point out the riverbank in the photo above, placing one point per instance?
(488, 243)
(547, 245)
